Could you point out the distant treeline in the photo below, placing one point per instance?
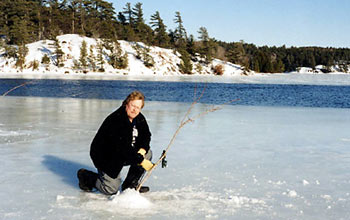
(26, 21)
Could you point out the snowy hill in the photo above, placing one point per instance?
(166, 61)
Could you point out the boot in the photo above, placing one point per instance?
(87, 179)
(132, 179)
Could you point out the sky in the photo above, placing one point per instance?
(298, 23)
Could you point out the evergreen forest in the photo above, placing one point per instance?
(27, 21)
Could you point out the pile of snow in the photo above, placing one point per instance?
(166, 61)
(320, 69)
(131, 199)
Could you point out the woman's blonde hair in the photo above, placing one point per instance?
(135, 95)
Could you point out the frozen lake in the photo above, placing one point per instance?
(266, 92)
(241, 162)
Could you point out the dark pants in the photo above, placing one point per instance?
(109, 186)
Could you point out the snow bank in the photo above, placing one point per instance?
(166, 61)
(321, 69)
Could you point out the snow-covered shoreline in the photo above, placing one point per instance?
(42, 58)
(165, 67)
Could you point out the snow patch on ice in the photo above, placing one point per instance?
(290, 206)
(326, 197)
(10, 133)
(131, 199)
(278, 183)
(305, 182)
(189, 201)
(291, 193)
(346, 139)
(127, 203)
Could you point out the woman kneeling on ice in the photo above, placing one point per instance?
(123, 139)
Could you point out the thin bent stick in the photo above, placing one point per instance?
(16, 87)
(183, 123)
(193, 103)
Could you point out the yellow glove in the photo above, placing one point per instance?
(146, 164)
(142, 152)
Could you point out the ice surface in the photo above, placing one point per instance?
(261, 78)
(241, 162)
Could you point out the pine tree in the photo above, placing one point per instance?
(58, 53)
(255, 65)
(278, 66)
(142, 53)
(137, 14)
(207, 48)
(92, 58)
(19, 32)
(117, 58)
(99, 18)
(311, 61)
(100, 60)
(237, 55)
(180, 32)
(147, 59)
(39, 10)
(138, 50)
(17, 21)
(161, 37)
(191, 47)
(129, 14)
(81, 16)
(83, 55)
(54, 17)
(3, 18)
(73, 8)
(143, 32)
(186, 64)
(21, 54)
(10, 51)
(203, 34)
(128, 29)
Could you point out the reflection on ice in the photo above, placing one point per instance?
(241, 162)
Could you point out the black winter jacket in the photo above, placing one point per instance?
(111, 148)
